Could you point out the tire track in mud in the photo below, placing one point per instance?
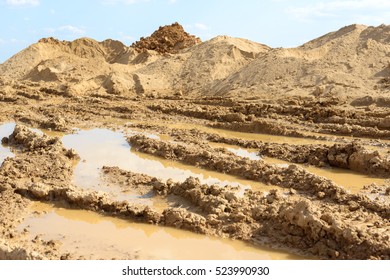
(271, 118)
(293, 220)
(351, 155)
(315, 217)
(313, 193)
(292, 177)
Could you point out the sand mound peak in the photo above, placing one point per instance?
(380, 34)
(167, 39)
(25, 64)
(340, 35)
(240, 43)
(84, 47)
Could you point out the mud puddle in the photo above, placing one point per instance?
(246, 153)
(350, 180)
(207, 176)
(370, 143)
(5, 130)
(85, 232)
(103, 147)
(268, 138)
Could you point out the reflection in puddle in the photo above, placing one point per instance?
(5, 131)
(246, 153)
(99, 147)
(97, 236)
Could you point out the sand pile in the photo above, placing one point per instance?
(217, 59)
(167, 39)
(346, 62)
(196, 70)
(344, 66)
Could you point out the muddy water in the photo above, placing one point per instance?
(99, 147)
(209, 177)
(86, 233)
(244, 135)
(349, 179)
(5, 131)
(332, 139)
(246, 153)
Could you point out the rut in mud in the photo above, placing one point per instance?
(303, 216)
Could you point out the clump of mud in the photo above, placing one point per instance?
(41, 162)
(167, 39)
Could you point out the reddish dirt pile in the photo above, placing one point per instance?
(167, 39)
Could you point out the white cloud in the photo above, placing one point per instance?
(49, 30)
(125, 38)
(72, 29)
(65, 30)
(201, 26)
(329, 9)
(11, 41)
(22, 3)
(124, 2)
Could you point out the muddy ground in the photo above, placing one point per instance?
(305, 213)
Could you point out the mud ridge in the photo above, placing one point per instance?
(351, 156)
(228, 119)
(292, 177)
(89, 200)
(300, 223)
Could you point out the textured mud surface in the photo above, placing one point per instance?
(308, 214)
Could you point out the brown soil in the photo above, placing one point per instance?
(332, 89)
(167, 39)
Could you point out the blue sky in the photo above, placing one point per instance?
(277, 23)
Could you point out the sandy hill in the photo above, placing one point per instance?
(353, 61)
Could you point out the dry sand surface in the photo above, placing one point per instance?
(179, 111)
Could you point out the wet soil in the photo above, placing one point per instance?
(302, 182)
(95, 236)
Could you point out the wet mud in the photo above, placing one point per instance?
(175, 176)
(86, 233)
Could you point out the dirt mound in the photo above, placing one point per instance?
(53, 60)
(348, 62)
(107, 50)
(345, 65)
(167, 39)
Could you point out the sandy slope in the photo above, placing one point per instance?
(351, 61)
